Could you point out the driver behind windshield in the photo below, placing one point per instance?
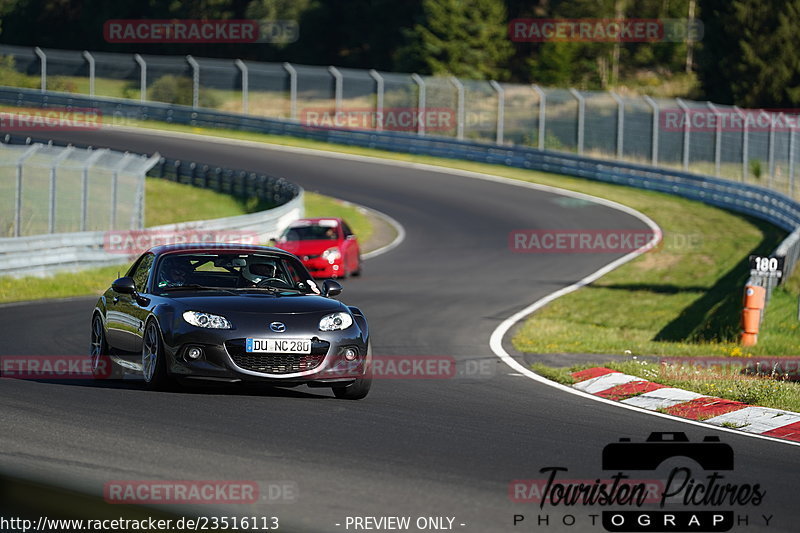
(255, 273)
(173, 272)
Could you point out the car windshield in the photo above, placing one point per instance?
(310, 233)
(237, 271)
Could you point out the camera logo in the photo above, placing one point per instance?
(711, 454)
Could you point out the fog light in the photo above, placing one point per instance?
(194, 352)
(350, 354)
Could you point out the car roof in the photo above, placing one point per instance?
(307, 221)
(165, 249)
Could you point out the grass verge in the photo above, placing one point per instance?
(161, 207)
(682, 298)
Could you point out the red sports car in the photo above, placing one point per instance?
(327, 246)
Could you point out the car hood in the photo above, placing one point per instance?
(315, 247)
(224, 302)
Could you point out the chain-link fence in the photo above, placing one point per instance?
(47, 189)
(748, 146)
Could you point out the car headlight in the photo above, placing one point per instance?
(332, 254)
(206, 320)
(335, 322)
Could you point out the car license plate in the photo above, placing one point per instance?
(302, 346)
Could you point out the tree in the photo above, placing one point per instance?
(749, 55)
(465, 38)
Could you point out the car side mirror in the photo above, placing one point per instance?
(124, 285)
(331, 288)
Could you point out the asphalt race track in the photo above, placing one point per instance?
(414, 447)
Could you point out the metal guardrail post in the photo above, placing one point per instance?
(142, 77)
(459, 107)
(581, 117)
(292, 90)
(420, 103)
(542, 114)
(654, 135)
(687, 123)
(379, 93)
(245, 85)
(43, 67)
(338, 81)
(501, 110)
(195, 80)
(85, 185)
(51, 223)
(745, 134)
(90, 60)
(18, 192)
(717, 139)
(620, 123)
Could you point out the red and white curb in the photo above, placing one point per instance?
(638, 392)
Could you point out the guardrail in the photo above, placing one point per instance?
(757, 201)
(45, 253)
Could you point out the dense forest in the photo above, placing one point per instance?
(745, 54)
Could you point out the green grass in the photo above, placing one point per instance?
(167, 202)
(318, 205)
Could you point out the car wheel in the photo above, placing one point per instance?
(154, 365)
(357, 390)
(102, 365)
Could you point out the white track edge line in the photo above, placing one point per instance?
(496, 339)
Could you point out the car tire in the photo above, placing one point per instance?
(102, 365)
(154, 364)
(357, 272)
(357, 390)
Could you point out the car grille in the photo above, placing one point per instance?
(276, 363)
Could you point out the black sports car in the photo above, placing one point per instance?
(230, 313)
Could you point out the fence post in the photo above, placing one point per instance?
(420, 103)
(581, 117)
(142, 77)
(686, 132)
(620, 123)
(18, 195)
(337, 89)
(51, 223)
(195, 80)
(792, 128)
(245, 85)
(654, 135)
(43, 66)
(542, 113)
(90, 60)
(501, 110)
(459, 107)
(114, 183)
(93, 157)
(292, 90)
(379, 88)
(745, 133)
(771, 147)
(717, 139)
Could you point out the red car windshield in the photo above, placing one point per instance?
(311, 233)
